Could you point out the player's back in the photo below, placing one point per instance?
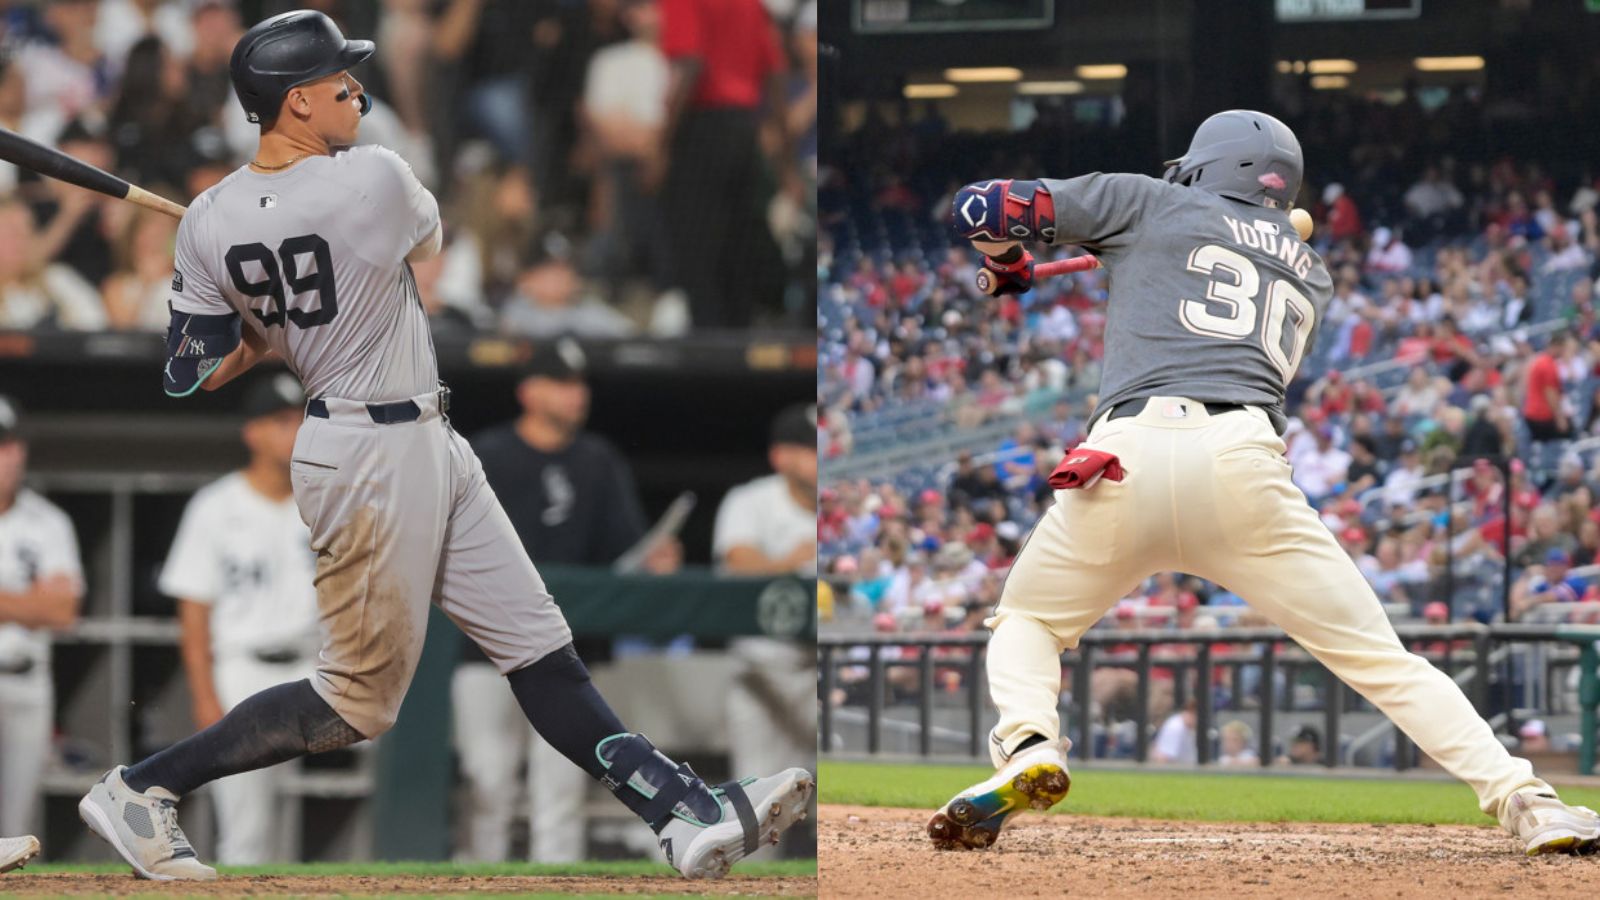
(1210, 298)
(313, 258)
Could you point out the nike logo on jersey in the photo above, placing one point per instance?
(1264, 236)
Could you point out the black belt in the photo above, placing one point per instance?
(395, 413)
(277, 657)
(1134, 407)
(20, 667)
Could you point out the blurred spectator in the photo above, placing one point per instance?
(624, 110)
(1175, 741)
(1549, 583)
(1305, 748)
(1544, 410)
(151, 120)
(66, 70)
(1343, 219)
(1236, 745)
(725, 60)
(1534, 737)
(1323, 467)
(122, 24)
(1389, 254)
(768, 526)
(33, 291)
(136, 293)
(552, 299)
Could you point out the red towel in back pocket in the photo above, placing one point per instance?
(1082, 466)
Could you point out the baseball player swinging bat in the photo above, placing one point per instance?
(52, 163)
(1214, 298)
(306, 253)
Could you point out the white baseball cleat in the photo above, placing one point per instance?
(143, 829)
(1543, 824)
(755, 812)
(1036, 778)
(15, 852)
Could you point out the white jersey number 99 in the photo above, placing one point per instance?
(1229, 310)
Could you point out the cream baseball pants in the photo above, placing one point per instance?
(1210, 495)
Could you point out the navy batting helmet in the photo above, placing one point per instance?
(1243, 154)
(286, 51)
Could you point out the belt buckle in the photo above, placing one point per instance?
(444, 398)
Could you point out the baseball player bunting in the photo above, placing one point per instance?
(1213, 300)
(399, 511)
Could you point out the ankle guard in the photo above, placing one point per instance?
(653, 786)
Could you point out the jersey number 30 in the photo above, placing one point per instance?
(319, 282)
(1229, 310)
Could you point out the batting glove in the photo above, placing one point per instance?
(1011, 274)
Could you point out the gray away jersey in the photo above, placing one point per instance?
(313, 258)
(1210, 299)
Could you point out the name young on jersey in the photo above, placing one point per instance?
(1266, 237)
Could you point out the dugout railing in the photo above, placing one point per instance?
(1479, 657)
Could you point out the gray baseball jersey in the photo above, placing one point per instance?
(1211, 299)
(400, 514)
(313, 258)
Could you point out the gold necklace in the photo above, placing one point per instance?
(292, 160)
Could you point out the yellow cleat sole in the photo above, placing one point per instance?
(974, 823)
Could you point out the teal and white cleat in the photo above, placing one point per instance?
(1034, 779)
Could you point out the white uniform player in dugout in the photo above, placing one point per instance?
(41, 587)
(304, 254)
(241, 568)
(1212, 303)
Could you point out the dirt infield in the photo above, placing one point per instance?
(884, 854)
(70, 884)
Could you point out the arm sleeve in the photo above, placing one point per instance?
(399, 212)
(680, 29)
(1102, 211)
(191, 569)
(194, 290)
(733, 526)
(60, 554)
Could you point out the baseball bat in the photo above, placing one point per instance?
(987, 283)
(52, 163)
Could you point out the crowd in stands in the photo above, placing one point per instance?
(564, 140)
(1438, 422)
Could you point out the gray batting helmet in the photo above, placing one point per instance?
(286, 51)
(1243, 154)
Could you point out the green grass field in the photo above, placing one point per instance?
(1184, 795)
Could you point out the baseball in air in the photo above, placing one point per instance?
(1302, 223)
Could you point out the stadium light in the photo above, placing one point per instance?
(1285, 67)
(1332, 66)
(1050, 87)
(1103, 72)
(1449, 63)
(989, 73)
(930, 91)
(1329, 82)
